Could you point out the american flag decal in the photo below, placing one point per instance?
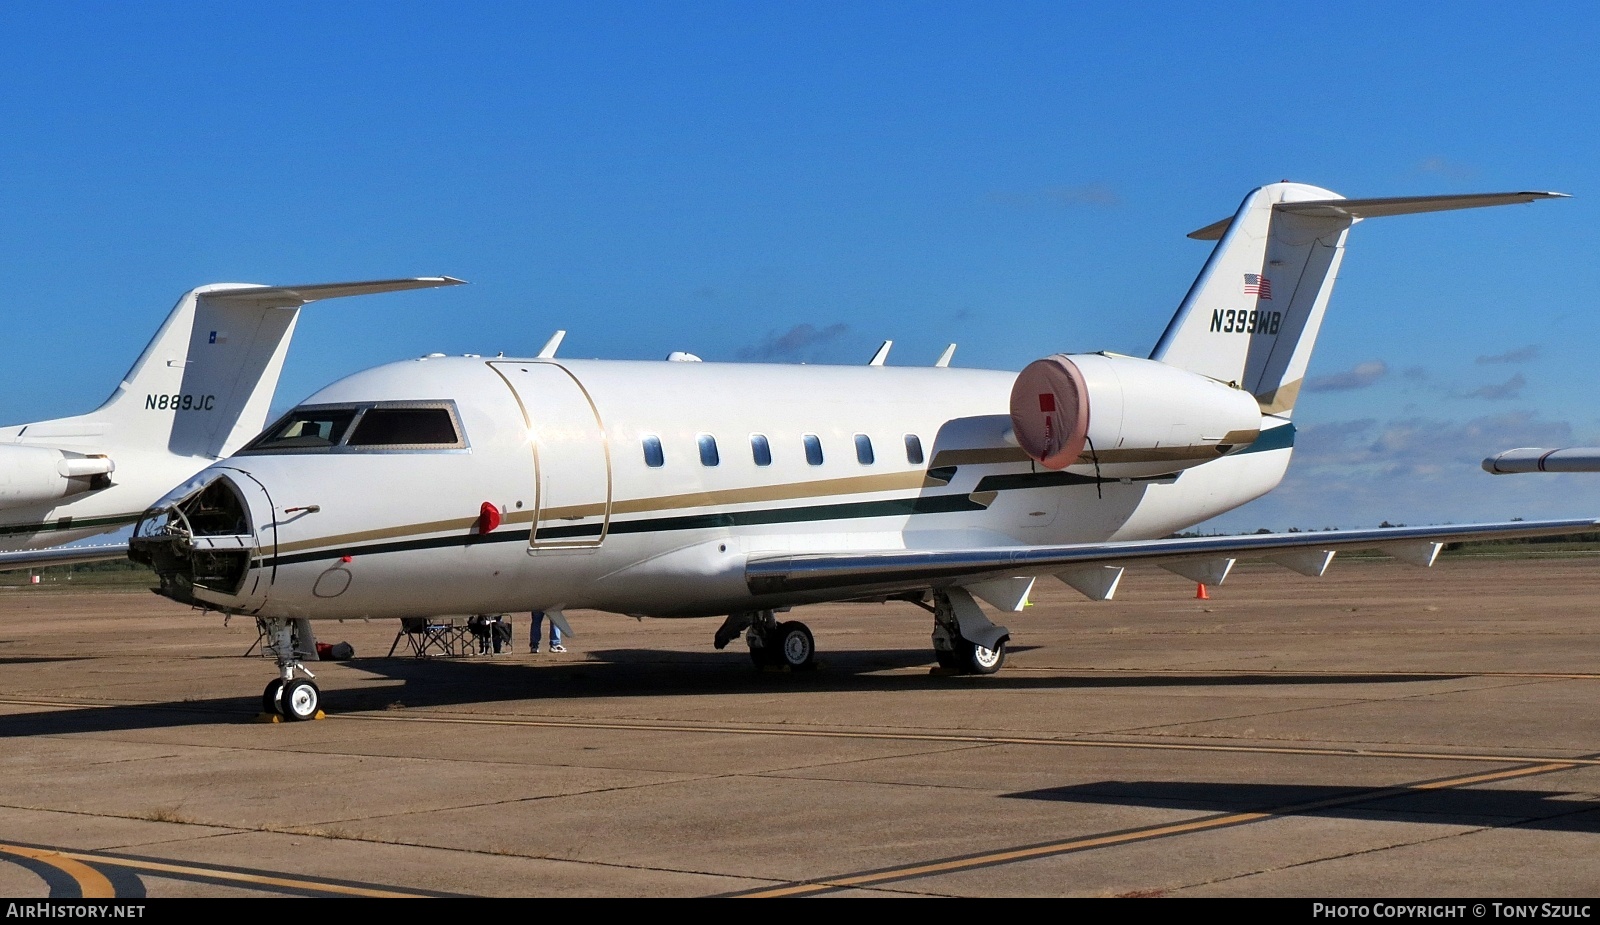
(1257, 285)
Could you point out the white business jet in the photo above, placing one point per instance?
(458, 485)
(200, 390)
(1538, 459)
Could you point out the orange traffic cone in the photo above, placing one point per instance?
(1200, 592)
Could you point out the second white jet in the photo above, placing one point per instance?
(198, 392)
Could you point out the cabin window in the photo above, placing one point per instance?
(405, 427)
(653, 457)
(708, 450)
(913, 449)
(864, 450)
(760, 449)
(813, 449)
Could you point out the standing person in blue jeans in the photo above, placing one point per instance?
(537, 631)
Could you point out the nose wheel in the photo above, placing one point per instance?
(272, 697)
(289, 697)
(299, 699)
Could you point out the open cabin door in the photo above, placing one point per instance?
(571, 461)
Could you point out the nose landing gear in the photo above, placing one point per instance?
(289, 697)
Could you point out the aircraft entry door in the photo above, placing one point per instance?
(571, 462)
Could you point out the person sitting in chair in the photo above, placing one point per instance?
(481, 626)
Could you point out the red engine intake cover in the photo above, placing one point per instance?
(1050, 411)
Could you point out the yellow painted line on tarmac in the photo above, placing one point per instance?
(1029, 852)
(87, 876)
(91, 883)
(967, 739)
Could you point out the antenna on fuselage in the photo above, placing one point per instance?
(944, 358)
(549, 349)
(882, 354)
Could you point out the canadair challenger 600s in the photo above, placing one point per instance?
(459, 485)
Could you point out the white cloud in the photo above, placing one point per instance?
(1519, 355)
(1093, 194)
(801, 343)
(1499, 391)
(1417, 470)
(1446, 168)
(1357, 377)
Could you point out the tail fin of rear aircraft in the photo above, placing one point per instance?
(1251, 317)
(204, 384)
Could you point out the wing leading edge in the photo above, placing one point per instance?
(825, 575)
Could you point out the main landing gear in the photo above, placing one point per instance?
(964, 639)
(772, 644)
(287, 696)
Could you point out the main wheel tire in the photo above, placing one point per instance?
(271, 698)
(976, 659)
(796, 648)
(947, 659)
(300, 699)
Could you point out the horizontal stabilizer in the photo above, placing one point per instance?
(1379, 208)
(300, 295)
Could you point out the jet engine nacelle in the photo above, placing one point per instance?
(1120, 417)
(38, 475)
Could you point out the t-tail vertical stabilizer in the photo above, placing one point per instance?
(204, 384)
(1252, 316)
(199, 391)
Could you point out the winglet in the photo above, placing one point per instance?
(1378, 208)
(882, 354)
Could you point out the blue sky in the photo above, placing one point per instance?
(802, 180)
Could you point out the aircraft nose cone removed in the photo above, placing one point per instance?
(201, 540)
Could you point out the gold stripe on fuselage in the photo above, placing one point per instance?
(687, 502)
(695, 501)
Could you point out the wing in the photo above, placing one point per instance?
(61, 555)
(1089, 566)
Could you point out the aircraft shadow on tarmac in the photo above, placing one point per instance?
(445, 682)
(1551, 810)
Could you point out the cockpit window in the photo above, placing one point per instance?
(364, 428)
(406, 427)
(306, 428)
